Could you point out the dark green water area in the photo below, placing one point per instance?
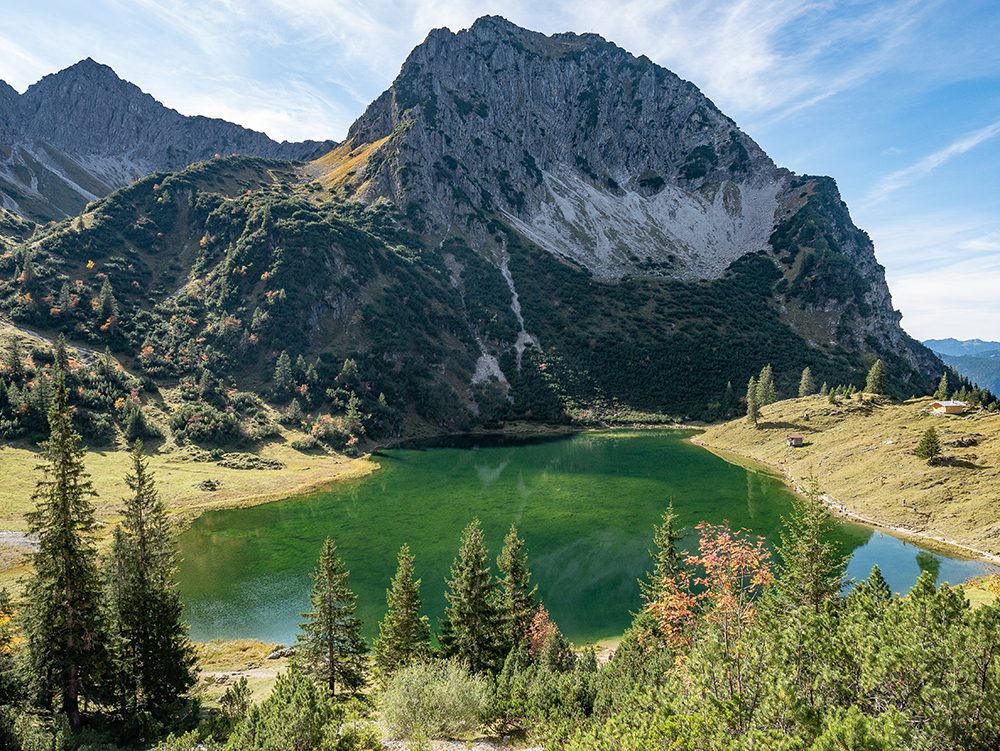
(585, 506)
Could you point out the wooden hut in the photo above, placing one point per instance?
(795, 439)
(950, 407)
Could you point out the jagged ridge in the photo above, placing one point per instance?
(76, 135)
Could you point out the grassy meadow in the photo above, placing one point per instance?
(861, 454)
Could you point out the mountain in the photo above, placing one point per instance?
(615, 165)
(974, 359)
(520, 227)
(965, 348)
(79, 134)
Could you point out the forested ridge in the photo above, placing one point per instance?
(240, 283)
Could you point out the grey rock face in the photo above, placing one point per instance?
(608, 161)
(80, 133)
(596, 155)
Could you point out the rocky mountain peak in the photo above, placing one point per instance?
(77, 134)
(614, 164)
(591, 152)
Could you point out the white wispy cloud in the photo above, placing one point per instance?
(901, 178)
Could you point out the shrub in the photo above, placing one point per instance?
(434, 700)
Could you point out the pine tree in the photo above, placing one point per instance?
(14, 358)
(283, 372)
(107, 305)
(766, 393)
(518, 601)
(153, 659)
(62, 356)
(942, 389)
(668, 564)
(929, 446)
(348, 377)
(728, 400)
(404, 635)
(807, 385)
(875, 383)
(753, 407)
(65, 632)
(471, 628)
(811, 569)
(330, 644)
(824, 389)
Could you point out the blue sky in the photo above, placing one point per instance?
(899, 100)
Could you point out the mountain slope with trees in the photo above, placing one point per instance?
(419, 278)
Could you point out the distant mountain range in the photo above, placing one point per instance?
(977, 360)
(79, 134)
(521, 227)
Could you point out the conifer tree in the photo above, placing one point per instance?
(14, 358)
(942, 389)
(404, 635)
(807, 384)
(518, 600)
(811, 569)
(728, 400)
(471, 628)
(929, 446)
(107, 305)
(668, 564)
(65, 632)
(330, 645)
(152, 657)
(62, 356)
(766, 393)
(753, 407)
(824, 389)
(283, 372)
(875, 384)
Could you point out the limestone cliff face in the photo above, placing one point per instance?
(614, 164)
(80, 133)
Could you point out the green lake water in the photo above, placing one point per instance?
(585, 506)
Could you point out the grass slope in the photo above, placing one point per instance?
(861, 454)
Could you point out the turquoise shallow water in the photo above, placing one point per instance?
(585, 506)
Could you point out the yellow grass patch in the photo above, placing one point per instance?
(862, 456)
(345, 164)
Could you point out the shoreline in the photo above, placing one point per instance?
(841, 511)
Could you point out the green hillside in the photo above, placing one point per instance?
(204, 278)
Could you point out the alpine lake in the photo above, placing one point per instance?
(584, 504)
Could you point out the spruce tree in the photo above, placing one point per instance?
(807, 384)
(728, 400)
(64, 628)
(811, 568)
(766, 393)
(942, 389)
(107, 305)
(753, 406)
(62, 355)
(471, 628)
(330, 645)
(404, 635)
(929, 446)
(518, 600)
(668, 564)
(283, 372)
(152, 657)
(875, 384)
(14, 358)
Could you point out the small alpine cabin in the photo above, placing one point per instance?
(950, 407)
